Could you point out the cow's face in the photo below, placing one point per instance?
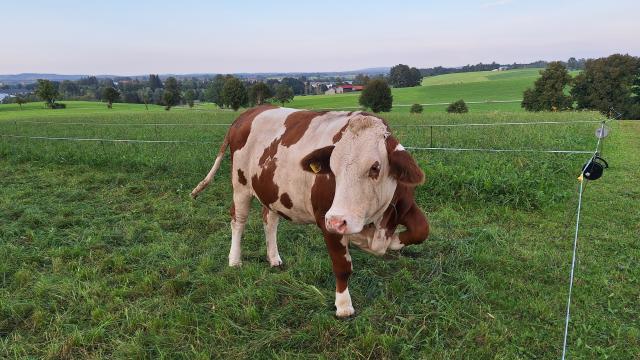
(367, 164)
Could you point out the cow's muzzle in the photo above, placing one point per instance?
(336, 224)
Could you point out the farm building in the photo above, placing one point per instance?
(340, 89)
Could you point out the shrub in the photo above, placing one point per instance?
(458, 107)
(416, 109)
(377, 96)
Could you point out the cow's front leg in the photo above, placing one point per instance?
(338, 247)
(270, 221)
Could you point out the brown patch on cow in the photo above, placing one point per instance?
(404, 168)
(391, 142)
(322, 192)
(265, 213)
(263, 185)
(232, 211)
(286, 200)
(341, 267)
(284, 215)
(241, 179)
(241, 127)
(296, 125)
(269, 152)
(338, 135)
(317, 161)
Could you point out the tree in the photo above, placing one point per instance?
(155, 82)
(110, 94)
(416, 109)
(607, 83)
(361, 79)
(548, 93)
(48, 92)
(189, 97)
(403, 76)
(145, 95)
(234, 93)
(572, 63)
(458, 107)
(69, 88)
(377, 96)
(295, 84)
(214, 91)
(171, 95)
(20, 100)
(284, 94)
(259, 93)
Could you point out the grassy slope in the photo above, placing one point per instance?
(104, 255)
(475, 86)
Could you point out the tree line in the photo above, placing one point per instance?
(610, 85)
(226, 91)
(571, 64)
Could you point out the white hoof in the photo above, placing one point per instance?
(276, 261)
(345, 312)
(395, 243)
(235, 262)
(343, 304)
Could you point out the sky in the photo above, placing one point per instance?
(122, 37)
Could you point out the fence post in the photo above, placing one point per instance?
(431, 131)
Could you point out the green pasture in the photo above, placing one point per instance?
(483, 91)
(104, 255)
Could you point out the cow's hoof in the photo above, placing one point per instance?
(345, 312)
(395, 243)
(235, 263)
(276, 262)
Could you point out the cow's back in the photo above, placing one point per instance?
(267, 146)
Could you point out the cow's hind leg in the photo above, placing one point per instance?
(270, 221)
(239, 215)
(338, 247)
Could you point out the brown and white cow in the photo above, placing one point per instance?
(340, 170)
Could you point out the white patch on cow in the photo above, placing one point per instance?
(344, 307)
(271, 237)
(345, 242)
(235, 253)
(399, 147)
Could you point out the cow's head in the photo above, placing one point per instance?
(367, 163)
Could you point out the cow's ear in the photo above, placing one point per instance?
(317, 161)
(404, 168)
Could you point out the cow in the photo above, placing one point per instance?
(342, 171)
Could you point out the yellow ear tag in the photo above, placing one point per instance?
(315, 167)
(580, 178)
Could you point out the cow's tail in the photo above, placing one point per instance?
(216, 165)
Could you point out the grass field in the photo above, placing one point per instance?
(481, 86)
(104, 255)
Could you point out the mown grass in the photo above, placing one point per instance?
(105, 256)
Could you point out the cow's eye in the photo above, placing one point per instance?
(374, 171)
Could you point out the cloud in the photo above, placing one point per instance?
(495, 3)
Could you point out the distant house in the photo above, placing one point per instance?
(340, 89)
(501, 68)
(344, 88)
